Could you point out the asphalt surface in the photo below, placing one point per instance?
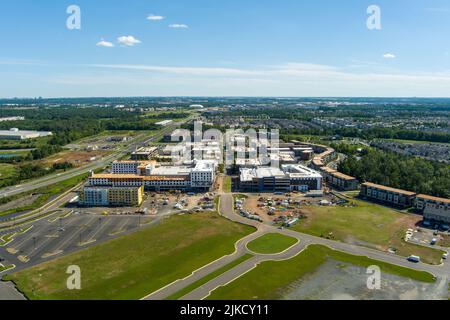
(53, 237)
(9, 292)
(226, 210)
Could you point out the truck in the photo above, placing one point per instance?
(415, 259)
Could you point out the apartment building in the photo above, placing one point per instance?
(111, 196)
(339, 180)
(155, 177)
(433, 208)
(128, 197)
(392, 196)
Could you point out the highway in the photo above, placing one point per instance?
(227, 211)
(54, 178)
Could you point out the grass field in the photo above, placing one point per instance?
(135, 265)
(271, 243)
(7, 171)
(366, 224)
(209, 277)
(250, 286)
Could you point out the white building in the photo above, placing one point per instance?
(203, 174)
(164, 123)
(12, 119)
(157, 177)
(291, 177)
(16, 134)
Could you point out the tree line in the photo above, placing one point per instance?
(408, 173)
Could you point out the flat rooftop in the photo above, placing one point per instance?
(380, 187)
(299, 171)
(437, 199)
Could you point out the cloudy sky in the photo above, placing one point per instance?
(224, 48)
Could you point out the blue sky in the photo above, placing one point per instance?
(225, 48)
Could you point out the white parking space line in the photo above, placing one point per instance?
(101, 227)
(121, 227)
(72, 236)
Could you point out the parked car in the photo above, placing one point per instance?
(415, 259)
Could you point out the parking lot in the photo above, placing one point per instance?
(73, 228)
(55, 236)
(428, 237)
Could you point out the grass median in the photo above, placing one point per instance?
(135, 265)
(209, 277)
(271, 243)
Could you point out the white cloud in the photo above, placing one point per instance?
(153, 17)
(439, 10)
(128, 41)
(106, 44)
(178, 26)
(198, 71)
(389, 56)
(310, 79)
(287, 79)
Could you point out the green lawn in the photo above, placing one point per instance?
(7, 171)
(135, 265)
(269, 280)
(271, 243)
(209, 277)
(227, 184)
(366, 224)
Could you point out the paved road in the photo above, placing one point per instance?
(9, 292)
(54, 178)
(226, 210)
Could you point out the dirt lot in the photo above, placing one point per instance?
(76, 158)
(342, 281)
(261, 205)
(445, 241)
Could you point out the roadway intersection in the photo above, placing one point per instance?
(227, 210)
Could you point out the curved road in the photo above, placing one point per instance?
(227, 211)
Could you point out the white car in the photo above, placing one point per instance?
(445, 256)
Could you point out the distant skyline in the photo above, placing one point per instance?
(271, 48)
